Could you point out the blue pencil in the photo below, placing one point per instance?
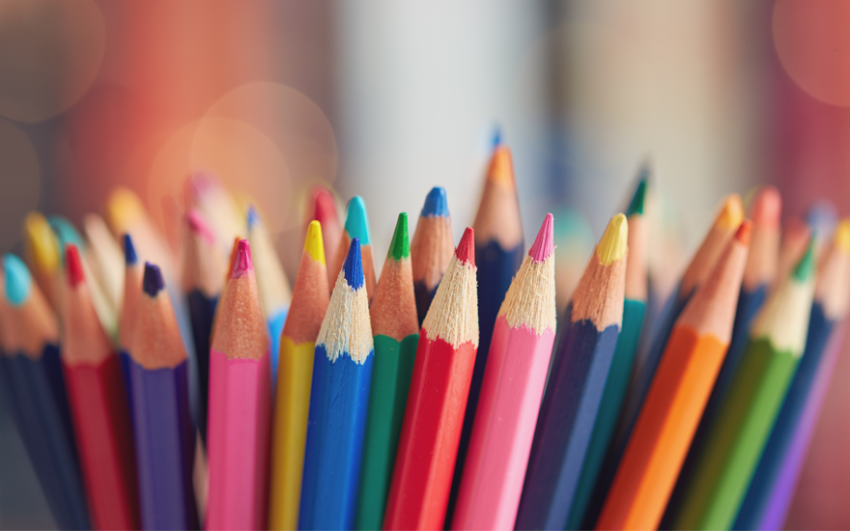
(127, 321)
(339, 401)
(570, 404)
(431, 249)
(34, 375)
(163, 431)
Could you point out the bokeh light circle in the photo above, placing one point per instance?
(812, 40)
(50, 53)
(20, 179)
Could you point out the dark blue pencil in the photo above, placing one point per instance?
(339, 401)
(431, 249)
(570, 404)
(34, 374)
(165, 438)
(127, 319)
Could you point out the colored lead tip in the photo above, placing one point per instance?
(357, 220)
(842, 236)
(65, 232)
(123, 208)
(767, 208)
(501, 169)
(18, 279)
(731, 214)
(242, 260)
(544, 243)
(400, 244)
(805, 268)
(745, 233)
(152, 282)
(436, 203)
(73, 265)
(130, 257)
(253, 217)
(636, 207)
(614, 242)
(352, 268)
(324, 204)
(198, 225)
(822, 217)
(496, 140)
(465, 251)
(41, 242)
(313, 243)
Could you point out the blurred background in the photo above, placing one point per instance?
(387, 99)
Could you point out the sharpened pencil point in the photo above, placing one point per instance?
(544, 243)
(805, 268)
(42, 243)
(352, 269)
(18, 279)
(123, 208)
(130, 257)
(198, 225)
(745, 233)
(436, 203)
(842, 236)
(152, 282)
(636, 207)
(767, 208)
(65, 232)
(614, 242)
(242, 260)
(324, 206)
(357, 220)
(732, 213)
(253, 216)
(501, 169)
(497, 137)
(400, 244)
(465, 251)
(73, 265)
(313, 243)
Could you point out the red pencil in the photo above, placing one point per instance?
(321, 207)
(437, 399)
(98, 407)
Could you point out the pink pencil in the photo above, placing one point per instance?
(510, 394)
(239, 398)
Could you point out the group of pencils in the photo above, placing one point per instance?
(444, 393)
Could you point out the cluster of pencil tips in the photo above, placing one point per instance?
(439, 395)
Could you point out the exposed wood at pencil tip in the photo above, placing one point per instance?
(156, 341)
(346, 329)
(203, 265)
(310, 295)
(275, 292)
(240, 329)
(83, 341)
(498, 216)
(832, 289)
(432, 249)
(763, 259)
(725, 223)
(393, 307)
(453, 315)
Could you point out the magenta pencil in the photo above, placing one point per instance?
(510, 394)
(239, 400)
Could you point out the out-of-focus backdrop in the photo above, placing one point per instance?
(387, 99)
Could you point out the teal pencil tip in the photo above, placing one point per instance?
(18, 281)
(805, 268)
(636, 207)
(400, 245)
(65, 232)
(357, 221)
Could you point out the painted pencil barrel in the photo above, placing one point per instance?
(501, 438)
(275, 324)
(387, 400)
(292, 406)
(201, 313)
(339, 402)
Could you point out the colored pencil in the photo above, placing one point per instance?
(203, 280)
(35, 376)
(634, 311)
(310, 298)
(795, 239)
(768, 498)
(42, 254)
(239, 403)
(679, 392)
(356, 226)
(821, 217)
(737, 437)
(105, 258)
(499, 250)
(510, 394)
(583, 355)
(204, 192)
(321, 207)
(439, 387)
(98, 403)
(275, 294)
(431, 249)
(646, 362)
(759, 277)
(127, 318)
(339, 400)
(396, 333)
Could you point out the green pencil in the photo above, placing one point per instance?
(582, 513)
(396, 330)
(738, 435)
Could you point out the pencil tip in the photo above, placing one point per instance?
(152, 282)
(357, 220)
(352, 268)
(805, 268)
(18, 280)
(313, 243)
(65, 232)
(465, 251)
(123, 207)
(822, 217)
(767, 208)
(636, 207)
(324, 204)
(745, 233)
(130, 258)
(501, 169)
(732, 213)
(242, 260)
(614, 242)
(436, 203)
(199, 226)
(400, 244)
(496, 140)
(41, 243)
(842, 236)
(73, 265)
(544, 243)
(253, 217)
